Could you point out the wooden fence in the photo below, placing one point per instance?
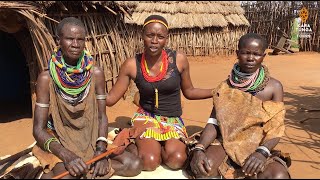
(266, 16)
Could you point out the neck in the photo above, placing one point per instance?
(71, 62)
(153, 59)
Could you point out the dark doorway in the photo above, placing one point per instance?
(15, 95)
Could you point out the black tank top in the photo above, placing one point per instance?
(168, 89)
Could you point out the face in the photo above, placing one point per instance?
(72, 42)
(250, 56)
(154, 37)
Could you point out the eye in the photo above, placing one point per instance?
(149, 35)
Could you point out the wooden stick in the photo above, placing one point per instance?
(16, 156)
(107, 153)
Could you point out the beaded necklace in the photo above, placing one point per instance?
(249, 82)
(160, 76)
(71, 79)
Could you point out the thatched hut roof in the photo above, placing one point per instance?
(189, 14)
(33, 24)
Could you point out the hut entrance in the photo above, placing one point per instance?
(15, 94)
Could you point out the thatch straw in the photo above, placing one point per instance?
(188, 14)
(198, 28)
(105, 38)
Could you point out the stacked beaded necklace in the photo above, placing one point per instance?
(249, 82)
(160, 76)
(71, 79)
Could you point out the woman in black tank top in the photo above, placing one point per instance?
(160, 74)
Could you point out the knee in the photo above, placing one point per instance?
(280, 175)
(150, 162)
(274, 175)
(133, 167)
(175, 160)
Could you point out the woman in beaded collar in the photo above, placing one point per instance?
(253, 156)
(73, 92)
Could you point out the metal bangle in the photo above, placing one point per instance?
(101, 138)
(42, 105)
(264, 153)
(101, 97)
(265, 149)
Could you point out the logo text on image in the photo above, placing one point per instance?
(305, 30)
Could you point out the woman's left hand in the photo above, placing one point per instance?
(254, 164)
(101, 167)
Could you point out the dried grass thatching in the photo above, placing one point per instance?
(198, 28)
(33, 23)
(189, 14)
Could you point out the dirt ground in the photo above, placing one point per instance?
(299, 74)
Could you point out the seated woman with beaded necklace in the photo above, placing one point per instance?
(72, 94)
(159, 74)
(250, 157)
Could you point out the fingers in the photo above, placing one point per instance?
(100, 169)
(77, 167)
(201, 168)
(253, 166)
(246, 165)
(207, 166)
(95, 171)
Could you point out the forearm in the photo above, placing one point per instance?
(103, 131)
(197, 93)
(270, 144)
(42, 136)
(208, 135)
(111, 99)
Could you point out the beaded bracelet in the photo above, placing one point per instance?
(47, 143)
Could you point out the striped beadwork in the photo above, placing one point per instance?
(71, 80)
(252, 83)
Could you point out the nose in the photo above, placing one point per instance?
(75, 43)
(154, 40)
(250, 57)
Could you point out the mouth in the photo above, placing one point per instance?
(75, 53)
(153, 49)
(250, 66)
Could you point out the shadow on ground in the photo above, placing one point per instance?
(121, 122)
(303, 114)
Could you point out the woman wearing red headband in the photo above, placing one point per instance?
(159, 74)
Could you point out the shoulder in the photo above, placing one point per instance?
(43, 82)
(130, 62)
(97, 71)
(181, 58)
(275, 84)
(44, 77)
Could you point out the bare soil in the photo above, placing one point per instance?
(299, 74)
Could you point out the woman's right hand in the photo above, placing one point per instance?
(74, 164)
(200, 164)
